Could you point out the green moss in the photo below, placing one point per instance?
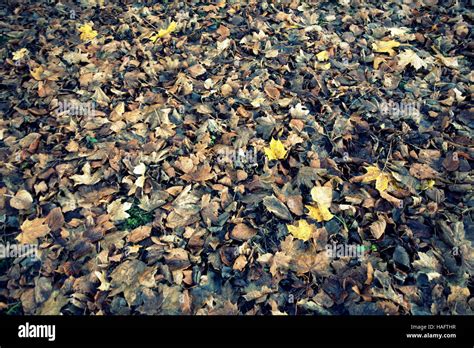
(138, 217)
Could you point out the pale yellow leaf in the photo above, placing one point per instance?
(323, 56)
(385, 46)
(301, 230)
(276, 150)
(410, 57)
(118, 211)
(17, 55)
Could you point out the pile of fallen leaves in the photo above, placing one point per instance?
(197, 158)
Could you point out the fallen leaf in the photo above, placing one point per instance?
(139, 234)
(32, 230)
(385, 46)
(118, 211)
(322, 56)
(242, 232)
(20, 54)
(86, 178)
(410, 57)
(301, 230)
(87, 33)
(377, 228)
(276, 207)
(276, 150)
(22, 200)
(36, 73)
(163, 32)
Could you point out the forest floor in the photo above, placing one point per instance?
(241, 157)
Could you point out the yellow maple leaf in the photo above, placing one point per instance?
(163, 32)
(17, 55)
(385, 46)
(382, 179)
(87, 33)
(36, 73)
(276, 150)
(301, 230)
(323, 56)
(319, 213)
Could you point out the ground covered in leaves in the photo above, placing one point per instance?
(229, 158)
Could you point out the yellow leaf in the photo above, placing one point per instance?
(323, 56)
(385, 46)
(36, 73)
(87, 33)
(301, 230)
(276, 150)
(428, 184)
(163, 32)
(17, 55)
(322, 196)
(372, 174)
(322, 66)
(382, 181)
(378, 61)
(320, 213)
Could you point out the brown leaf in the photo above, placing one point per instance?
(32, 230)
(242, 232)
(196, 70)
(240, 263)
(378, 228)
(55, 219)
(22, 200)
(295, 203)
(423, 171)
(139, 234)
(203, 173)
(177, 259)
